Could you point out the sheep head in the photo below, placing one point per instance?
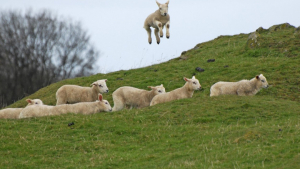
(193, 83)
(163, 8)
(105, 104)
(100, 86)
(34, 102)
(158, 89)
(262, 81)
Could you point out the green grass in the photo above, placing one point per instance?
(261, 131)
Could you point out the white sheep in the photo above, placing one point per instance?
(240, 88)
(186, 91)
(82, 108)
(158, 20)
(13, 113)
(74, 94)
(134, 97)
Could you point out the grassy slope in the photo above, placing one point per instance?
(201, 132)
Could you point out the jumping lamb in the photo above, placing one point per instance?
(134, 97)
(240, 88)
(82, 108)
(13, 113)
(158, 20)
(186, 91)
(73, 94)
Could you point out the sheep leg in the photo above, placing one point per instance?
(60, 101)
(149, 34)
(167, 29)
(240, 93)
(160, 27)
(118, 104)
(156, 35)
(213, 93)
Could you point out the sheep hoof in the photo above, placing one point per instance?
(168, 37)
(150, 43)
(158, 43)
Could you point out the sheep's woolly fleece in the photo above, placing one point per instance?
(74, 94)
(186, 91)
(82, 108)
(240, 88)
(134, 97)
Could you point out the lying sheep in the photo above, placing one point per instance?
(186, 91)
(240, 88)
(74, 94)
(158, 20)
(82, 108)
(134, 97)
(13, 113)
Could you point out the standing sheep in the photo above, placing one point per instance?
(134, 97)
(82, 108)
(13, 113)
(158, 20)
(186, 91)
(74, 94)
(240, 88)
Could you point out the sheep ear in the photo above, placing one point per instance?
(162, 85)
(150, 87)
(100, 97)
(105, 80)
(167, 2)
(193, 77)
(257, 77)
(186, 79)
(28, 100)
(94, 84)
(158, 4)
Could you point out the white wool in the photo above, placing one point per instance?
(13, 113)
(82, 108)
(240, 88)
(186, 91)
(74, 94)
(158, 20)
(134, 97)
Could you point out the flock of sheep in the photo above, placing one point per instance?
(78, 99)
(89, 100)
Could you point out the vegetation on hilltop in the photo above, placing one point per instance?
(260, 131)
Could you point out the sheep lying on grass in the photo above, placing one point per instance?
(82, 108)
(134, 97)
(13, 113)
(186, 91)
(158, 20)
(240, 88)
(74, 94)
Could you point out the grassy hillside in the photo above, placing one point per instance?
(262, 131)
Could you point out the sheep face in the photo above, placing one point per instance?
(262, 81)
(106, 106)
(104, 103)
(163, 8)
(34, 102)
(158, 89)
(100, 85)
(193, 84)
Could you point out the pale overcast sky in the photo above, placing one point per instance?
(116, 26)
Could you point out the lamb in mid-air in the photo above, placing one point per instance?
(158, 20)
